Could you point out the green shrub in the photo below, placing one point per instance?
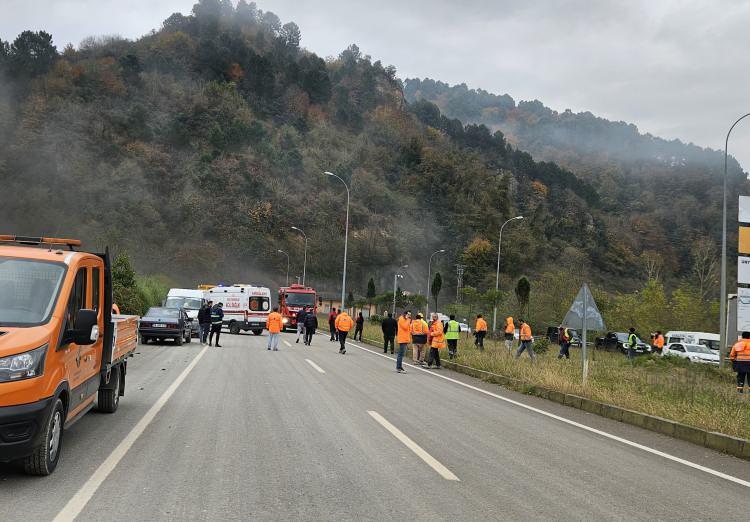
(541, 345)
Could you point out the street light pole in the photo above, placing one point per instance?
(723, 297)
(346, 238)
(287, 265)
(304, 263)
(497, 274)
(429, 276)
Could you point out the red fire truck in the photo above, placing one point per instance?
(294, 298)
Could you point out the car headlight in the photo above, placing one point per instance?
(695, 358)
(285, 320)
(23, 365)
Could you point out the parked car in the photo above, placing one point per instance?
(463, 327)
(165, 323)
(711, 340)
(619, 341)
(553, 336)
(694, 352)
(190, 300)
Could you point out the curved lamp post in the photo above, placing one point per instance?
(497, 274)
(346, 237)
(304, 263)
(429, 276)
(287, 265)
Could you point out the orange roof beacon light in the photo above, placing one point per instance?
(27, 240)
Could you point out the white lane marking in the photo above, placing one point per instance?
(422, 454)
(320, 370)
(287, 343)
(610, 436)
(78, 502)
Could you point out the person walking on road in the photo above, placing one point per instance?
(300, 318)
(204, 321)
(452, 334)
(389, 327)
(564, 338)
(274, 324)
(510, 333)
(419, 333)
(332, 325)
(526, 338)
(740, 357)
(480, 330)
(311, 324)
(217, 319)
(403, 338)
(632, 343)
(343, 324)
(437, 342)
(359, 326)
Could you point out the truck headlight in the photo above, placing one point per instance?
(23, 365)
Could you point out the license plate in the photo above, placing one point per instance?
(159, 325)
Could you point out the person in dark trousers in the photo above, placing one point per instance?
(332, 325)
(389, 327)
(632, 343)
(359, 325)
(204, 321)
(311, 324)
(740, 357)
(217, 319)
(452, 334)
(300, 318)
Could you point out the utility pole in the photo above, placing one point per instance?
(459, 281)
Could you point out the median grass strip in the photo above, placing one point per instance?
(692, 394)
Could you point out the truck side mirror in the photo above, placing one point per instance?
(85, 331)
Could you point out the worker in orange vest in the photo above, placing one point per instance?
(403, 338)
(419, 332)
(510, 332)
(436, 340)
(526, 339)
(480, 330)
(658, 342)
(740, 357)
(273, 324)
(343, 324)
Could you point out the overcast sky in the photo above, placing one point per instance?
(675, 68)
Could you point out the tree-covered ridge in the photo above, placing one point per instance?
(198, 146)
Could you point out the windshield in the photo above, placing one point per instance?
(713, 345)
(293, 299)
(191, 303)
(697, 348)
(28, 290)
(163, 312)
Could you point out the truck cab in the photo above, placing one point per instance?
(294, 298)
(61, 348)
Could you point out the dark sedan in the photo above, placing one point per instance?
(619, 341)
(165, 323)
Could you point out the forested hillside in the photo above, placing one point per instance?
(663, 197)
(198, 146)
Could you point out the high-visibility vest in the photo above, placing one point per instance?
(632, 340)
(274, 322)
(403, 336)
(344, 323)
(509, 326)
(659, 341)
(419, 327)
(454, 330)
(437, 337)
(481, 325)
(525, 333)
(741, 351)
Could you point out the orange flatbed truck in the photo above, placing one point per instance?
(62, 350)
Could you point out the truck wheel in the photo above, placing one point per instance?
(234, 328)
(257, 332)
(109, 398)
(45, 457)
(143, 340)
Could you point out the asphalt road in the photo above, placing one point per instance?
(249, 434)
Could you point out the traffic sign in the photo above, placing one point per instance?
(575, 316)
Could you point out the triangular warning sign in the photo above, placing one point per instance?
(574, 317)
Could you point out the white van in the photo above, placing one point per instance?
(710, 340)
(246, 307)
(188, 298)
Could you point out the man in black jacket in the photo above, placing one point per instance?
(311, 324)
(204, 321)
(389, 327)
